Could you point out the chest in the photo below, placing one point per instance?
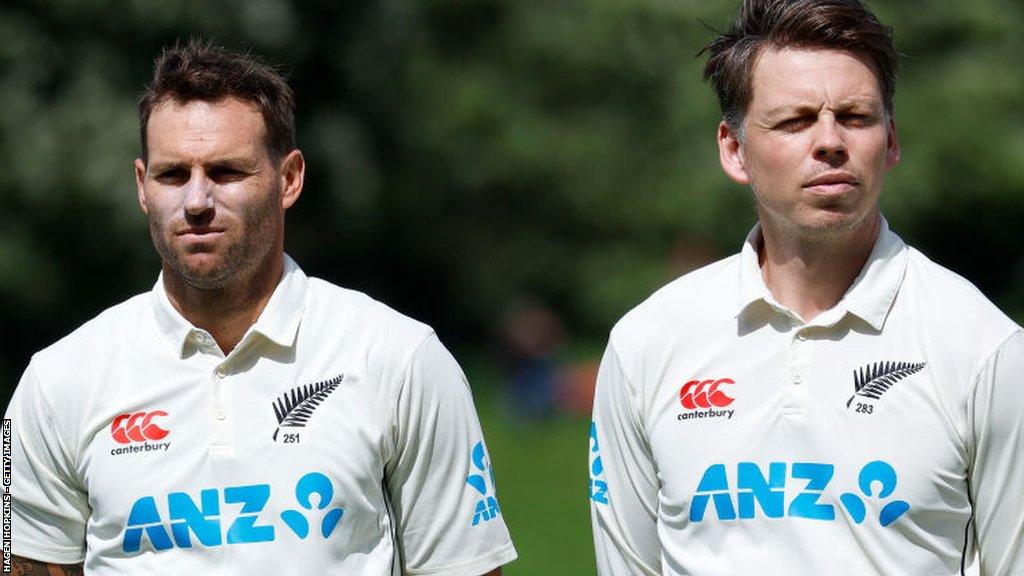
(798, 427)
(212, 452)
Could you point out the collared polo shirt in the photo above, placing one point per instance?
(337, 437)
(883, 437)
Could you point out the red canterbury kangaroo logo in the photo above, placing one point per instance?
(137, 427)
(704, 394)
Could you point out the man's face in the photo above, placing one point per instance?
(816, 143)
(214, 198)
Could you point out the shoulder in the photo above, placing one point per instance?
(958, 328)
(97, 339)
(706, 295)
(947, 302)
(66, 378)
(357, 319)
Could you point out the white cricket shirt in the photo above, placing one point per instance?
(338, 437)
(884, 437)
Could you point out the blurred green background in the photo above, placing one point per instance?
(465, 156)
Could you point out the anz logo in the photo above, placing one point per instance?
(754, 489)
(598, 485)
(482, 479)
(202, 520)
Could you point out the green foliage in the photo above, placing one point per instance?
(462, 153)
(541, 471)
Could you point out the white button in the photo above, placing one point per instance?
(801, 336)
(221, 414)
(797, 379)
(219, 373)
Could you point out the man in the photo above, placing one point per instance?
(828, 401)
(242, 418)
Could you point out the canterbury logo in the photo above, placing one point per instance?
(138, 427)
(704, 394)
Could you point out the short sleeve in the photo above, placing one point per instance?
(623, 479)
(997, 470)
(49, 508)
(439, 478)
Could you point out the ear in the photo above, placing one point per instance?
(140, 179)
(293, 171)
(892, 151)
(730, 154)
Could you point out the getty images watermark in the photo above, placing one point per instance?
(7, 496)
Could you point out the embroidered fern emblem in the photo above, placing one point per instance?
(873, 380)
(293, 408)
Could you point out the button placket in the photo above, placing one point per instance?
(222, 439)
(798, 363)
(802, 348)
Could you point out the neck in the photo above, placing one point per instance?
(810, 275)
(225, 312)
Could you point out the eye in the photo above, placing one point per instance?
(172, 176)
(856, 119)
(225, 174)
(795, 124)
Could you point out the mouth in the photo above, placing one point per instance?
(200, 234)
(832, 183)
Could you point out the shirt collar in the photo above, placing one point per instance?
(279, 321)
(870, 297)
(752, 286)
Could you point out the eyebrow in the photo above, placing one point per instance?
(803, 107)
(232, 163)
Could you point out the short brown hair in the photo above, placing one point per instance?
(837, 24)
(199, 70)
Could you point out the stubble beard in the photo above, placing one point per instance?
(834, 230)
(819, 229)
(241, 258)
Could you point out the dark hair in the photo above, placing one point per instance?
(199, 70)
(837, 24)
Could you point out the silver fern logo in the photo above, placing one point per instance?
(293, 408)
(873, 380)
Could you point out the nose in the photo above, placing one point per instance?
(830, 147)
(198, 194)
